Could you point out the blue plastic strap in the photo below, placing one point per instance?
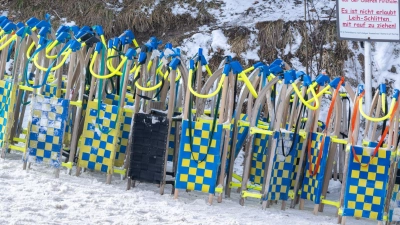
(75, 45)
(75, 29)
(275, 69)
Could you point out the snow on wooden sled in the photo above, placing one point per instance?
(46, 130)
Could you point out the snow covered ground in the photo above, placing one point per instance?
(36, 197)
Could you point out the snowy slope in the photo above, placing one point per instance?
(36, 197)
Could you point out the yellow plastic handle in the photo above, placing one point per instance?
(124, 59)
(246, 80)
(35, 60)
(221, 82)
(296, 90)
(146, 88)
(377, 119)
(8, 42)
(323, 91)
(110, 53)
(383, 102)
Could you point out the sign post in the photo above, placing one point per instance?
(368, 20)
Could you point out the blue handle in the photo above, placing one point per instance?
(2, 18)
(289, 76)
(110, 43)
(99, 30)
(258, 64)
(75, 45)
(168, 45)
(98, 47)
(306, 80)
(43, 31)
(62, 29)
(191, 64)
(227, 69)
(142, 58)
(322, 79)
(130, 53)
(9, 27)
(62, 37)
(275, 70)
(277, 62)
(19, 25)
(360, 89)
(382, 89)
(300, 74)
(236, 67)
(335, 82)
(396, 94)
(116, 42)
(75, 29)
(5, 22)
(43, 23)
(22, 31)
(175, 63)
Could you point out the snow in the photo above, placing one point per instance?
(35, 196)
(185, 8)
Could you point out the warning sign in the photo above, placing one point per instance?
(376, 20)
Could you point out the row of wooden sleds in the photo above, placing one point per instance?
(118, 107)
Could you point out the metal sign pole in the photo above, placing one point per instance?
(368, 76)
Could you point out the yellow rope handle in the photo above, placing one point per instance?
(221, 82)
(35, 60)
(296, 90)
(124, 59)
(377, 119)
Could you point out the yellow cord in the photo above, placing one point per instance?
(377, 119)
(304, 101)
(221, 82)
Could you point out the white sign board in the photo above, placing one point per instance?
(375, 20)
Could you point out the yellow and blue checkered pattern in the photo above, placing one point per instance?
(259, 158)
(125, 129)
(46, 132)
(99, 138)
(312, 185)
(171, 142)
(283, 166)
(365, 189)
(192, 172)
(5, 102)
